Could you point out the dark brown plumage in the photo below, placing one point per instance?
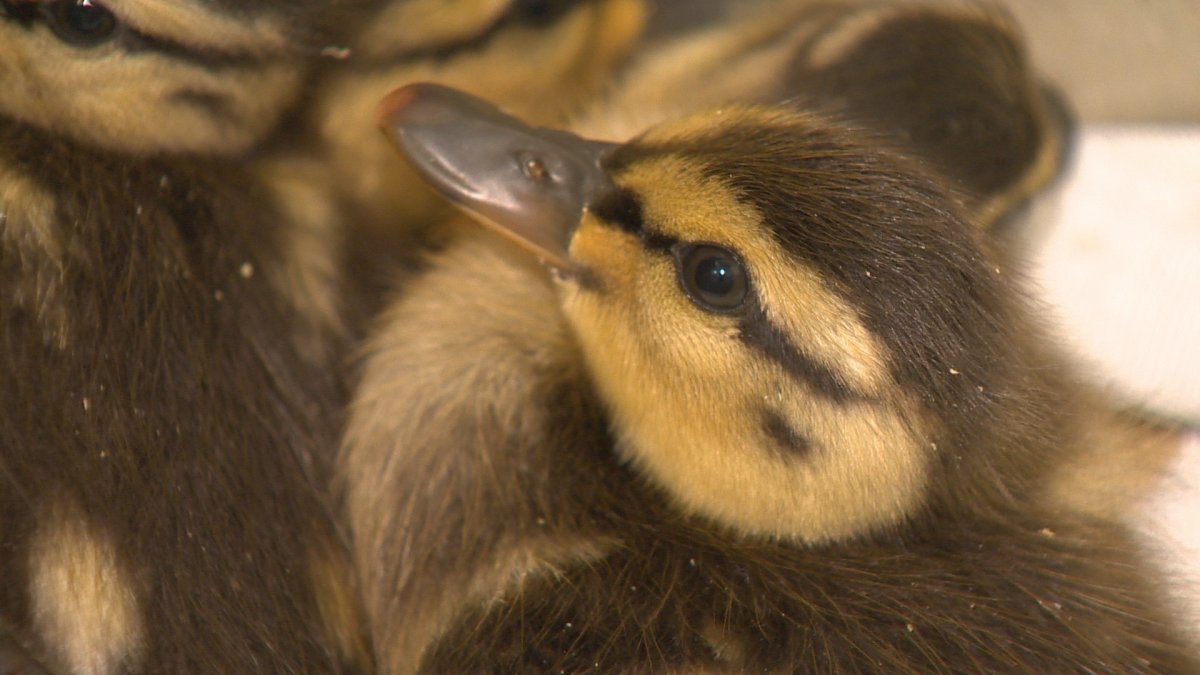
(165, 428)
(153, 387)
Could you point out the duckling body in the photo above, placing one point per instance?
(164, 444)
(794, 413)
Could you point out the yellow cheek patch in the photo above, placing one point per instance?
(688, 406)
(638, 302)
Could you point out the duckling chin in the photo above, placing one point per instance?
(796, 414)
(164, 447)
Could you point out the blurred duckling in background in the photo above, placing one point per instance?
(163, 445)
(870, 63)
(781, 403)
(358, 217)
(541, 58)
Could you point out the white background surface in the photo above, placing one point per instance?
(1120, 260)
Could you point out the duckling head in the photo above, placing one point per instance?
(799, 335)
(144, 76)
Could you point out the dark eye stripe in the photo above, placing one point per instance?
(621, 208)
(23, 13)
(540, 13)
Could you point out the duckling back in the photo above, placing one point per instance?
(163, 442)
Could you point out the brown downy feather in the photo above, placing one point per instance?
(508, 517)
(162, 443)
(165, 430)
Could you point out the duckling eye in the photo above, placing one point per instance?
(83, 23)
(712, 277)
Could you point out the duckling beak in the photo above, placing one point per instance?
(530, 184)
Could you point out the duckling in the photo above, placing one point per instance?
(440, 405)
(164, 446)
(709, 439)
(790, 412)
